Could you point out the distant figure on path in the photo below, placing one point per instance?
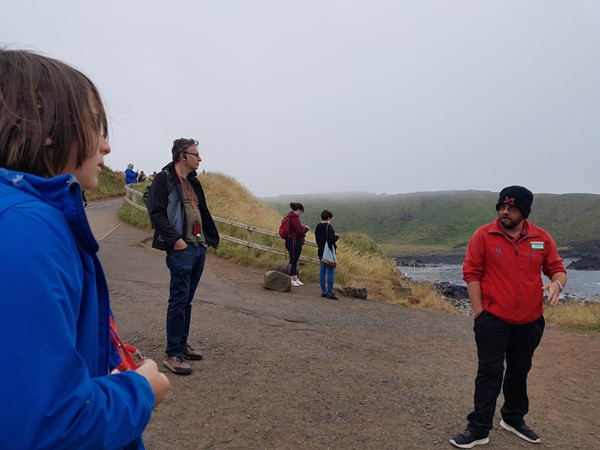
(131, 176)
(141, 177)
(184, 228)
(294, 243)
(325, 235)
(57, 390)
(502, 269)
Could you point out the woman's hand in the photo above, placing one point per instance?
(158, 381)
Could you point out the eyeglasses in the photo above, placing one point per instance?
(197, 155)
(511, 209)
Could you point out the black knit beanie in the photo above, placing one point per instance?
(517, 196)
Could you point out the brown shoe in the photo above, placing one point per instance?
(191, 354)
(177, 365)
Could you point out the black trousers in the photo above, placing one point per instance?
(294, 248)
(498, 341)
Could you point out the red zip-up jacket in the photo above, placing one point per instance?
(510, 271)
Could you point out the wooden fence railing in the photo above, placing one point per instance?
(134, 198)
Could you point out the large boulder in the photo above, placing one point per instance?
(281, 266)
(277, 281)
(355, 292)
(451, 290)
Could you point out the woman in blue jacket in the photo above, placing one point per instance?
(57, 391)
(131, 176)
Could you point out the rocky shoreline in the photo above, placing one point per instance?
(585, 253)
(433, 258)
(587, 262)
(457, 296)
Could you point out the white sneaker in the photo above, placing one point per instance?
(299, 283)
(296, 283)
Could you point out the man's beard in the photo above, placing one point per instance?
(510, 224)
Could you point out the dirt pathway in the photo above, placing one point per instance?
(295, 371)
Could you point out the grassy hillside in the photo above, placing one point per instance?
(362, 263)
(570, 218)
(442, 221)
(110, 184)
(417, 223)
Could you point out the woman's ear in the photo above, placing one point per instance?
(48, 142)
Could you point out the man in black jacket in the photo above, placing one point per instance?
(184, 228)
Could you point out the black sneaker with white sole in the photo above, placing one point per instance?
(523, 431)
(468, 440)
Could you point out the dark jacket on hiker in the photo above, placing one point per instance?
(325, 234)
(168, 212)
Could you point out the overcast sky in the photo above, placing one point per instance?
(310, 96)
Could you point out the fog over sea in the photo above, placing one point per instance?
(582, 284)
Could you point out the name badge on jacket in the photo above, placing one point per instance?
(537, 245)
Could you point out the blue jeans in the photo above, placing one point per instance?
(186, 268)
(498, 341)
(326, 270)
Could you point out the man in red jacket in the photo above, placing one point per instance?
(502, 268)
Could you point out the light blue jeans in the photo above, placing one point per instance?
(326, 270)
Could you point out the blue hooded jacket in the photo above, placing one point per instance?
(131, 176)
(55, 387)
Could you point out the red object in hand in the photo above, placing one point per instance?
(130, 356)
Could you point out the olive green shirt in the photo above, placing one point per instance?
(192, 215)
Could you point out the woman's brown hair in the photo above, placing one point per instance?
(47, 109)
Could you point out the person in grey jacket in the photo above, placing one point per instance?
(184, 228)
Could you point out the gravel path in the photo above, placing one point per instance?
(295, 371)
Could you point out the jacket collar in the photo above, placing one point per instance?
(61, 192)
(171, 167)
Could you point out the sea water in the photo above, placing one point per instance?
(582, 284)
